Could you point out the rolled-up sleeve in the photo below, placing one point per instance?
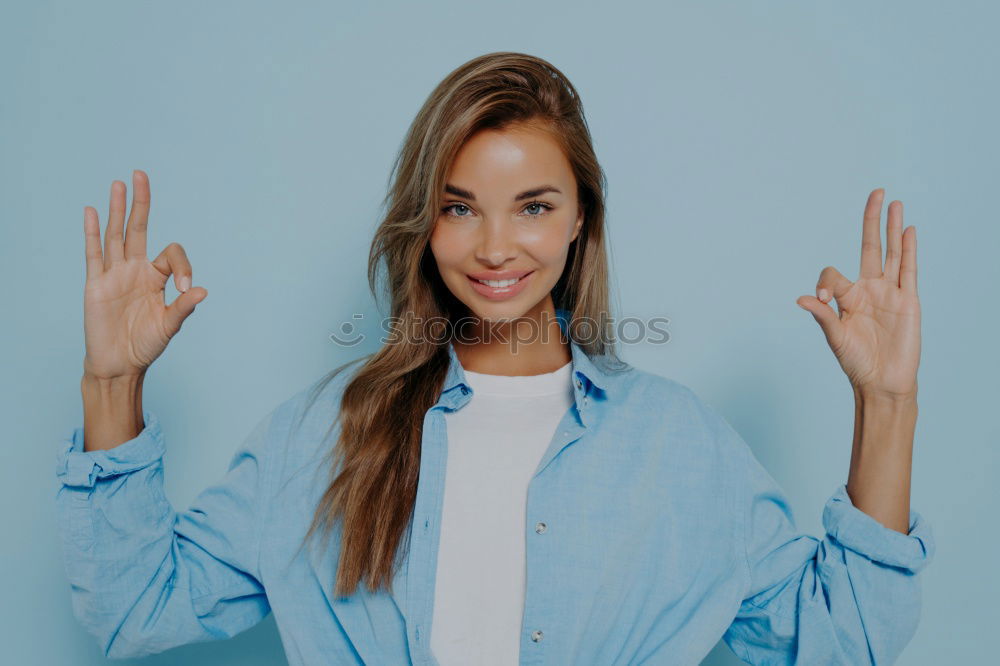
(853, 597)
(143, 577)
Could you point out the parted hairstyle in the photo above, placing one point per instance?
(375, 463)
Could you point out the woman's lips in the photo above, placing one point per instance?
(500, 293)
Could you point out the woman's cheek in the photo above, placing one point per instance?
(446, 247)
(551, 245)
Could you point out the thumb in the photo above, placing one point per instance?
(182, 307)
(828, 320)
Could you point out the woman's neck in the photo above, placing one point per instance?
(516, 349)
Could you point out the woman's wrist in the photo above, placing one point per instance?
(112, 410)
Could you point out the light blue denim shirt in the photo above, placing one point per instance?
(652, 532)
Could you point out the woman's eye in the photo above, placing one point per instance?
(544, 207)
(448, 208)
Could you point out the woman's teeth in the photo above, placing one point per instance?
(499, 283)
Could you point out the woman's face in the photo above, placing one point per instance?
(509, 212)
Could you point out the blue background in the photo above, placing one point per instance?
(740, 141)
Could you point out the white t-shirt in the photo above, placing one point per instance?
(495, 443)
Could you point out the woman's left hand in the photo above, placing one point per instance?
(876, 335)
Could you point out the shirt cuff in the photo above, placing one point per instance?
(858, 531)
(76, 467)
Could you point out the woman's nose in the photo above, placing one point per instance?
(496, 243)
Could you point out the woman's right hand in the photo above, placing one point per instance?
(127, 323)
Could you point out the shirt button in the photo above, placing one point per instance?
(465, 390)
(579, 384)
(540, 527)
(537, 635)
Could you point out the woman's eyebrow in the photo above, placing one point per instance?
(527, 194)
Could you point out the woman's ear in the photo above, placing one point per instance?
(579, 225)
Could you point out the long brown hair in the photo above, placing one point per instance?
(376, 460)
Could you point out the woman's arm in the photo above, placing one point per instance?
(852, 597)
(876, 339)
(145, 578)
(882, 457)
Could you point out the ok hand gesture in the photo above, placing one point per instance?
(127, 323)
(875, 334)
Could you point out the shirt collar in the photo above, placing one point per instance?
(585, 370)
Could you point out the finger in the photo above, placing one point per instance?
(829, 322)
(114, 250)
(181, 308)
(871, 236)
(135, 237)
(92, 242)
(831, 284)
(908, 268)
(174, 260)
(893, 241)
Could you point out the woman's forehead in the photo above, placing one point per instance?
(508, 162)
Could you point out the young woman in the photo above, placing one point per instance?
(493, 486)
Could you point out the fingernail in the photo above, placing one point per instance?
(185, 283)
(823, 294)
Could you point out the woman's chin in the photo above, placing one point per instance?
(498, 312)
